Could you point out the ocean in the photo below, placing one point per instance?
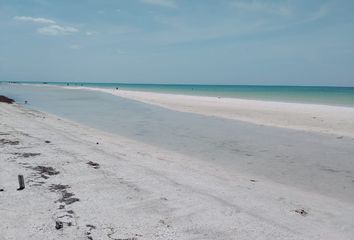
(338, 96)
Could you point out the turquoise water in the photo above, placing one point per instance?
(342, 96)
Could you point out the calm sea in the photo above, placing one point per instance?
(342, 96)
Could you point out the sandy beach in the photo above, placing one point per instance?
(177, 120)
(306, 117)
(94, 185)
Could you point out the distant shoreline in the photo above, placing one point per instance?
(324, 95)
(173, 84)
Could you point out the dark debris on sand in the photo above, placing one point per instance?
(93, 164)
(4, 99)
(88, 232)
(58, 225)
(4, 141)
(45, 172)
(302, 212)
(66, 197)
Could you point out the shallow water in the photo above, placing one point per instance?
(340, 96)
(322, 163)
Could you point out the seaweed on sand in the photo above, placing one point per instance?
(45, 172)
(66, 197)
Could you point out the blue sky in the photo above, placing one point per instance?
(294, 42)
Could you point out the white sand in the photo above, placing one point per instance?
(309, 117)
(143, 192)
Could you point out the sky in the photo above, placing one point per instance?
(263, 42)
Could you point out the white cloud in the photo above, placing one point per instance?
(51, 28)
(35, 20)
(162, 3)
(266, 7)
(54, 30)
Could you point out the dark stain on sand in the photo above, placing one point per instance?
(45, 171)
(66, 196)
(93, 164)
(4, 141)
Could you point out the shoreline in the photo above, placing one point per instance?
(229, 91)
(322, 119)
(143, 192)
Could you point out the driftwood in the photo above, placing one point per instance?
(21, 182)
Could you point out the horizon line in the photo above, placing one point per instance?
(181, 84)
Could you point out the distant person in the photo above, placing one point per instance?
(25, 101)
